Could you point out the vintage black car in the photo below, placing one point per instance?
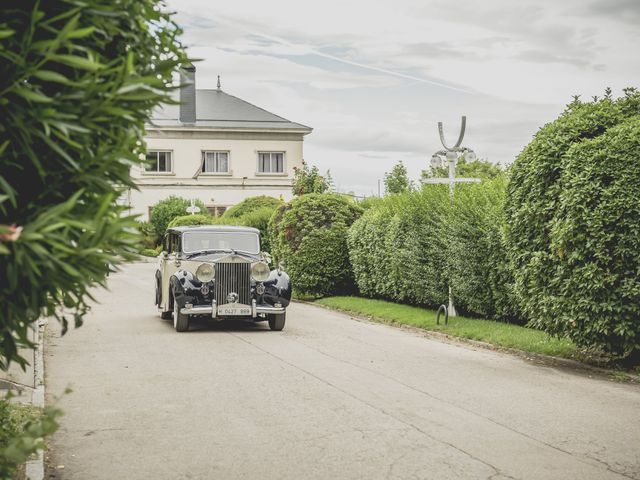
(219, 272)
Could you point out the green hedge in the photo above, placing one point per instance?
(309, 234)
(397, 248)
(574, 225)
(480, 272)
(251, 204)
(410, 247)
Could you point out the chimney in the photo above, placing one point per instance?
(188, 94)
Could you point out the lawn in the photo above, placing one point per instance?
(496, 333)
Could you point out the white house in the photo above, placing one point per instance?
(216, 148)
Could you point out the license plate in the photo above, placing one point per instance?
(231, 309)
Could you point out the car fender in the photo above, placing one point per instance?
(181, 284)
(278, 288)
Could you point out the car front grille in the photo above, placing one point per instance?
(233, 277)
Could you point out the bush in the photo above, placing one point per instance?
(573, 209)
(480, 271)
(78, 81)
(197, 219)
(22, 432)
(309, 234)
(251, 204)
(149, 252)
(148, 235)
(258, 219)
(166, 210)
(398, 248)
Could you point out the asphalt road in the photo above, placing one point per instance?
(327, 398)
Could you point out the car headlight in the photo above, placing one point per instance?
(260, 271)
(205, 272)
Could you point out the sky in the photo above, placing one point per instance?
(373, 79)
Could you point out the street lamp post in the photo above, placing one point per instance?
(451, 156)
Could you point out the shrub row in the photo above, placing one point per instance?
(573, 213)
(411, 247)
(397, 250)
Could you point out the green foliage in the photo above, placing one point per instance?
(22, 432)
(259, 219)
(573, 209)
(251, 204)
(148, 235)
(149, 252)
(78, 81)
(309, 234)
(196, 219)
(398, 247)
(467, 169)
(166, 210)
(397, 181)
(308, 180)
(480, 272)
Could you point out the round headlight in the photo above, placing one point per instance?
(260, 271)
(205, 272)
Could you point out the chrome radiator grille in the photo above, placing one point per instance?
(233, 277)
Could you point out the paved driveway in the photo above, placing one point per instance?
(327, 398)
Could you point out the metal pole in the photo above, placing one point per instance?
(452, 157)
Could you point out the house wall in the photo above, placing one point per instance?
(241, 182)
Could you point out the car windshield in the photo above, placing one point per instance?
(193, 242)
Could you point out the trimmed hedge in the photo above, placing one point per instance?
(397, 248)
(410, 247)
(309, 234)
(480, 272)
(250, 205)
(574, 225)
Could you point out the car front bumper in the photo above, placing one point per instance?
(212, 310)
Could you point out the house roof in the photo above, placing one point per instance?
(219, 110)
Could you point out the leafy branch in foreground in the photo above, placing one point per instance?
(78, 81)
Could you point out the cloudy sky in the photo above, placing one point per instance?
(374, 78)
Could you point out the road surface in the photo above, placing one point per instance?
(328, 398)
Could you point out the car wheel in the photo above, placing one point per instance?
(180, 320)
(276, 321)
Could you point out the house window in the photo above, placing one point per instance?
(271, 162)
(215, 162)
(158, 162)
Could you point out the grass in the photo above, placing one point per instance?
(496, 333)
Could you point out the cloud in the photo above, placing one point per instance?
(373, 78)
(627, 11)
(542, 56)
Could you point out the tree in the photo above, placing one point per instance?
(397, 181)
(78, 81)
(308, 180)
(478, 168)
(166, 210)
